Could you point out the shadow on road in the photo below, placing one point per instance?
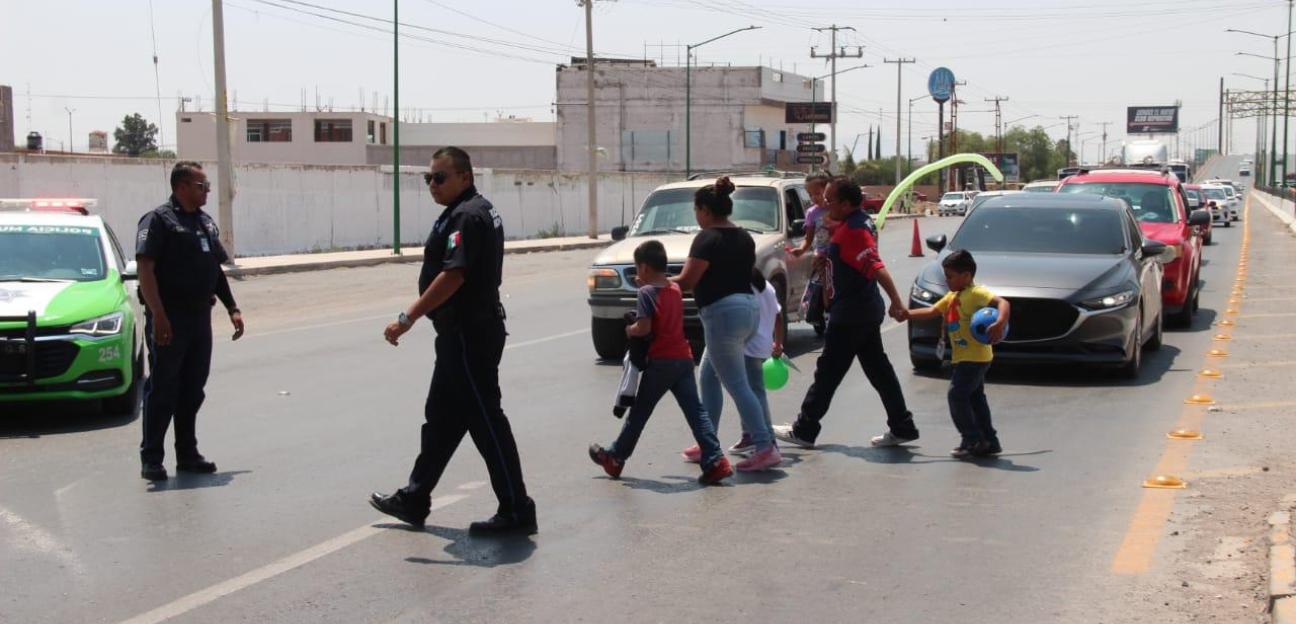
(911, 455)
(190, 481)
(1155, 365)
(674, 484)
(34, 420)
(478, 552)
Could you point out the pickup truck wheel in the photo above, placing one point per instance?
(609, 338)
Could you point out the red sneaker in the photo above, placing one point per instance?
(718, 472)
(611, 465)
(692, 454)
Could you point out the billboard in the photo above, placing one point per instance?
(1152, 120)
(1007, 163)
(808, 112)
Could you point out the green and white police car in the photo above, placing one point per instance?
(68, 308)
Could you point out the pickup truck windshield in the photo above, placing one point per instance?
(671, 210)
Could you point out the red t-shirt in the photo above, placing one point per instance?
(665, 306)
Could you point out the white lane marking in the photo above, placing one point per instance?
(33, 538)
(289, 330)
(528, 343)
(291, 562)
(472, 485)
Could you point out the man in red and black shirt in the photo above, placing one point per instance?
(853, 272)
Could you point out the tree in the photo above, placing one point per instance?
(135, 136)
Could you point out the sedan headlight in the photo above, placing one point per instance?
(603, 279)
(922, 294)
(1109, 302)
(108, 325)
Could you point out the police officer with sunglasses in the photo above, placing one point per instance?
(179, 254)
(459, 292)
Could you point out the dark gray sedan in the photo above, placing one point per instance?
(1084, 284)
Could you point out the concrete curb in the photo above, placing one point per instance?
(1282, 568)
(307, 265)
(1282, 216)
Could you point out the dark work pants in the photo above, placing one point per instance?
(174, 388)
(968, 405)
(676, 377)
(843, 344)
(465, 398)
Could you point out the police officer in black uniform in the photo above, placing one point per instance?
(459, 291)
(179, 254)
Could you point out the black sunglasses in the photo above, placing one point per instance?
(438, 177)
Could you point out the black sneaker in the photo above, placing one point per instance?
(986, 449)
(153, 471)
(197, 464)
(961, 452)
(395, 506)
(503, 525)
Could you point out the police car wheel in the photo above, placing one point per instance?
(609, 338)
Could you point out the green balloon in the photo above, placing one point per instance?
(776, 373)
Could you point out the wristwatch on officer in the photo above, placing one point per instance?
(405, 320)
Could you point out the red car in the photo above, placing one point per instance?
(1161, 208)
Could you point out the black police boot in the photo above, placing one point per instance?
(397, 507)
(195, 464)
(153, 471)
(522, 522)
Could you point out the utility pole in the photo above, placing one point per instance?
(1286, 95)
(1068, 119)
(589, 112)
(225, 193)
(1219, 134)
(832, 57)
(899, 63)
(69, 112)
(396, 228)
(999, 146)
(1104, 125)
(955, 178)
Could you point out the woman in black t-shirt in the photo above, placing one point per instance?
(718, 271)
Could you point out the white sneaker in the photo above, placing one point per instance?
(784, 432)
(890, 439)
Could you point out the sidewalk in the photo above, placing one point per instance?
(294, 263)
(1271, 204)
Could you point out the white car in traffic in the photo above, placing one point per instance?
(955, 203)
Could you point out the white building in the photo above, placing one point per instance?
(359, 138)
(737, 116)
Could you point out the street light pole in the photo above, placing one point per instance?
(899, 63)
(590, 114)
(396, 228)
(225, 192)
(909, 134)
(69, 112)
(1286, 93)
(688, 95)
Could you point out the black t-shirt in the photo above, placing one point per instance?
(187, 250)
(469, 235)
(731, 253)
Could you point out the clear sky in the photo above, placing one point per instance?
(474, 60)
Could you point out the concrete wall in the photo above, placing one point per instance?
(650, 102)
(7, 129)
(296, 208)
(495, 134)
(527, 157)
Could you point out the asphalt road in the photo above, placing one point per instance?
(312, 410)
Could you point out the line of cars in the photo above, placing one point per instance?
(68, 310)
(1094, 270)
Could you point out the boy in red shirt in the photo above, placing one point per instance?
(660, 314)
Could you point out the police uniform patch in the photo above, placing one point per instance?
(453, 241)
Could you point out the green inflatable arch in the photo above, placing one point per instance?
(909, 181)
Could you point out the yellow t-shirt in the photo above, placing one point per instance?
(957, 309)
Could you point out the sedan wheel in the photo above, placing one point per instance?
(1135, 363)
(1158, 333)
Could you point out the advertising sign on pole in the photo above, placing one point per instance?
(1152, 120)
(940, 84)
(808, 112)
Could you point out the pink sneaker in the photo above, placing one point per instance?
(693, 454)
(761, 460)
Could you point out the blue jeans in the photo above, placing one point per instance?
(756, 379)
(968, 405)
(661, 376)
(727, 325)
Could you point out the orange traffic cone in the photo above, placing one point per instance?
(916, 251)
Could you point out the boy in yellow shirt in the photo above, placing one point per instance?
(971, 358)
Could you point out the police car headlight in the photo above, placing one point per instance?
(1114, 300)
(109, 325)
(603, 279)
(922, 294)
